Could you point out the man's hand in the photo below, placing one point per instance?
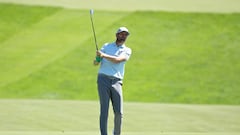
(100, 54)
(95, 63)
(98, 58)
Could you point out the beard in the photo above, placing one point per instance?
(121, 39)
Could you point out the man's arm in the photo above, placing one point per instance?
(111, 58)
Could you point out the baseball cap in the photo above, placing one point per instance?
(121, 29)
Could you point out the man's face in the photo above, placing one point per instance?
(122, 36)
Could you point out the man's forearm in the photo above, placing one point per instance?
(113, 59)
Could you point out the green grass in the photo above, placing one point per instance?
(189, 57)
(56, 117)
(177, 57)
(46, 53)
(15, 18)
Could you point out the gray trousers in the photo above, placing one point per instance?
(110, 88)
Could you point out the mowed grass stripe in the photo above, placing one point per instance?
(15, 18)
(37, 46)
(82, 116)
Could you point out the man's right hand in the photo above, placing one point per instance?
(95, 62)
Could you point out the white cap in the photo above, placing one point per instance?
(121, 29)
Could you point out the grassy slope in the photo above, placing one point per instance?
(177, 57)
(186, 57)
(79, 117)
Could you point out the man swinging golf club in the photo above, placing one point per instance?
(112, 58)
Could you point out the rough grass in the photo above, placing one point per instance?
(177, 57)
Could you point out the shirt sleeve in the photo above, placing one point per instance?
(127, 53)
(103, 49)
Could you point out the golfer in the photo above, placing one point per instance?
(112, 58)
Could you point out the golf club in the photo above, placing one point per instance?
(94, 34)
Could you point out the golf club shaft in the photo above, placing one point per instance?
(94, 34)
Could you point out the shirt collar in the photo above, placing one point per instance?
(121, 46)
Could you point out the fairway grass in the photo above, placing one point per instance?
(56, 117)
(124, 133)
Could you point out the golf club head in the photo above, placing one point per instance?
(91, 11)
